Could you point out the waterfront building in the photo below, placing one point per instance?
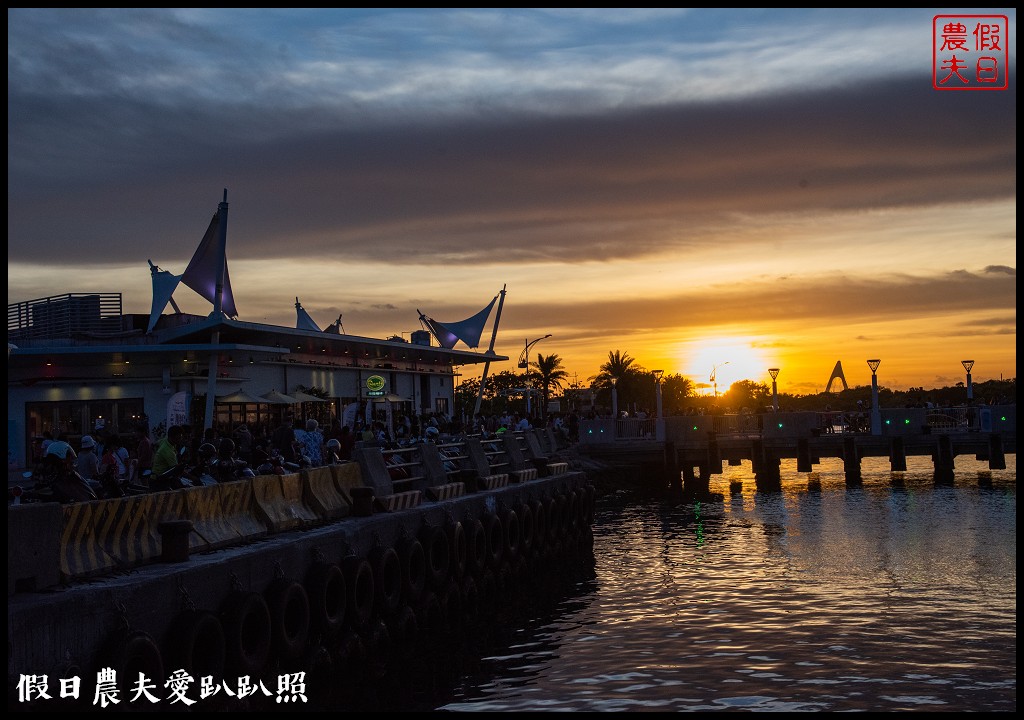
(78, 364)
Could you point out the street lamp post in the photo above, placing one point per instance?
(774, 372)
(714, 376)
(524, 364)
(615, 400)
(657, 389)
(876, 412)
(968, 365)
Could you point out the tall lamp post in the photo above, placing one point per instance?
(615, 400)
(714, 376)
(774, 372)
(657, 389)
(968, 365)
(876, 412)
(524, 364)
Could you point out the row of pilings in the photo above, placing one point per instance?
(692, 480)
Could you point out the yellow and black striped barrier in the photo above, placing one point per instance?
(321, 494)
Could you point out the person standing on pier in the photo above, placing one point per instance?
(166, 456)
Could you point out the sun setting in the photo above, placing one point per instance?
(721, 361)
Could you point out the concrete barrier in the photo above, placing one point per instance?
(236, 504)
(102, 536)
(222, 515)
(321, 494)
(346, 477)
(278, 501)
(210, 530)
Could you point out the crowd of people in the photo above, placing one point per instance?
(109, 465)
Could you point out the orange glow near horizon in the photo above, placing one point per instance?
(729, 358)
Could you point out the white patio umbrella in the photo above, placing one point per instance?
(278, 398)
(306, 397)
(241, 396)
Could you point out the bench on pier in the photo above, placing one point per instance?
(387, 496)
(522, 469)
(440, 486)
(490, 475)
(545, 463)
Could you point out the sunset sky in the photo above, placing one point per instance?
(696, 188)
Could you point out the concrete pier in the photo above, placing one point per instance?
(171, 609)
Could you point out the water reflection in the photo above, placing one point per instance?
(893, 594)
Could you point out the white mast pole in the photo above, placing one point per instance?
(490, 351)
(218, 309)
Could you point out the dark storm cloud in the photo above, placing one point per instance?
(135, 176)
(816, 302)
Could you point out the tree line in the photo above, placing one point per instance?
(623, 382)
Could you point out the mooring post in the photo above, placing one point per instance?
(691, 483)
(756, 455)
(803, 456)
(897, 455)
(769, 479)
(701, 487)
(996, 457)
(851, 461)
(714, 461)
(944, 460)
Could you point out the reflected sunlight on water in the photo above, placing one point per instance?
(898, 594)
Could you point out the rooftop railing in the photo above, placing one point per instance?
(64, 316)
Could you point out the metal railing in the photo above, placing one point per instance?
(63, 316)
(635, 429)
(894, 421)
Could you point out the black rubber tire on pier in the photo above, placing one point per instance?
(414, 570)
(195, 644)
(459, 548)
(387, 579)
(527, 529)
(359, 582)
(130, 653)
(248, 633)
(289, 617)
(510, 526)
(476, 555)
(495, 539)
(435, 544)
(328, 598)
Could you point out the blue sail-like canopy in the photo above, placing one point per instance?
(201, 273)
(468, 330)
(335, 328)
(164, 285)
(303, 321)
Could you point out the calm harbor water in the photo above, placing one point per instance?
(899, 595)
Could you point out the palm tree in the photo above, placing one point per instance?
(620, 370)
(619, 365)
(549, 374)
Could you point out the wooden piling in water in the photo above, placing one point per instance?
(897, 455)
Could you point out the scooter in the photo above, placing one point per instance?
(51, 484)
